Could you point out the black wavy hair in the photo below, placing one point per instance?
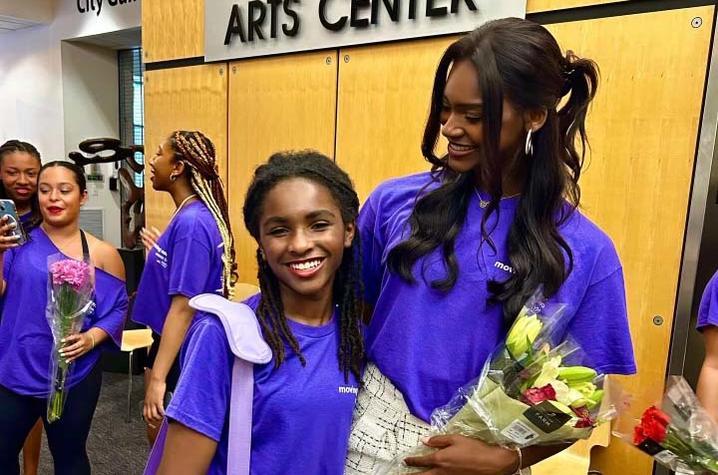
(521, 61)
(14, 146)
(347, 287)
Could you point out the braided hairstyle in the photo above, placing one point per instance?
(14, 146)
(347, 286)
(198, 153)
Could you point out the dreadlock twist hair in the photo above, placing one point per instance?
(14, 146)
(347, 286)
(198, 153)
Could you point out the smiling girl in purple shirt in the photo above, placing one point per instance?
(301, 209)
(451, 256)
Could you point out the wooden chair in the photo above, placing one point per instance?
(134, 340)
(575, 460)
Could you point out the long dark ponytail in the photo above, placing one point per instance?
(522, 61)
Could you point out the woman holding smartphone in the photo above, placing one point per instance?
(19, 166)
(26, 339)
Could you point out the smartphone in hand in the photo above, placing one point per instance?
(7, 208)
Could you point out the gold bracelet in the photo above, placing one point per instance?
(93, 341)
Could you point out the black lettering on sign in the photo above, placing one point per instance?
(273, 4)
(80, 8)
(234, 27)
(392, 7)
(255, 22)
(355, 21)
(295, 19)
(412, 9)
(431, 10)
(337, 25)
(469, 3)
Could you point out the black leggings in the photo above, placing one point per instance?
(66, 437)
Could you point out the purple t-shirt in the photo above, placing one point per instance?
(429, 343)
(187, 260)
(25, 338)
(708, 310)
(301, 414)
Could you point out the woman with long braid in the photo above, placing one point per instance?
(194, 255)
(301, 209)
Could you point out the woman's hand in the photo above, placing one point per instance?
(459, 455)
(154, 408)
(77, 345)
(149, 237)
(7, 242)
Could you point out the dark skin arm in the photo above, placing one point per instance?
(459, 455)
(187, 452)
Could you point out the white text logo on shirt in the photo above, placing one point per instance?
(348, 390)
(504, 267)
(160, 256)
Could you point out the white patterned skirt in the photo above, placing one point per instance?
(383, 427)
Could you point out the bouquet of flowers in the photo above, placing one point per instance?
(679, 434)
(535, 389)
(70, 299)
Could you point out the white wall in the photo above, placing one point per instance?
(55, 94)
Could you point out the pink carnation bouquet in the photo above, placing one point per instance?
(70, 299)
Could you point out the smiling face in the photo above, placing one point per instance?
(303, 237)
(462, 120)
(60, 196)
(18, 172)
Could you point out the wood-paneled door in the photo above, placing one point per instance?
(280, 103)
(191, 98)
(643, 129)
(384, 97)
(172, 29)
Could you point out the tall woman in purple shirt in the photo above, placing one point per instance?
(451, 255)
(194, 255)
(25, 336)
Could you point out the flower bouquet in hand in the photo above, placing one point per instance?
(69, 299)
(679, 434)
(537, 388)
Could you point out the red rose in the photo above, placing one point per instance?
(653, 425)
(638, 435)
(534, 396)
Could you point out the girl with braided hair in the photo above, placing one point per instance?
(301, 209)
(194, 255)
(451, 255)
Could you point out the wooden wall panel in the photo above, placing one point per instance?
(643, 128)
(192, 98)
(172, 29)
(535, 6)
(384, 96)
(281, 103)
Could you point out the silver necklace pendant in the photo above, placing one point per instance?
(483, 204)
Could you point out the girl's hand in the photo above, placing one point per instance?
(154, 408)
(149, 237)
(7, 242)
(77, 345)
(459, 455)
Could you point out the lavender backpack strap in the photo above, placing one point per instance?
(249, 348)
(245, 340)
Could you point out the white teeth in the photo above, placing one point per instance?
(306, 265)
(461, 148)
